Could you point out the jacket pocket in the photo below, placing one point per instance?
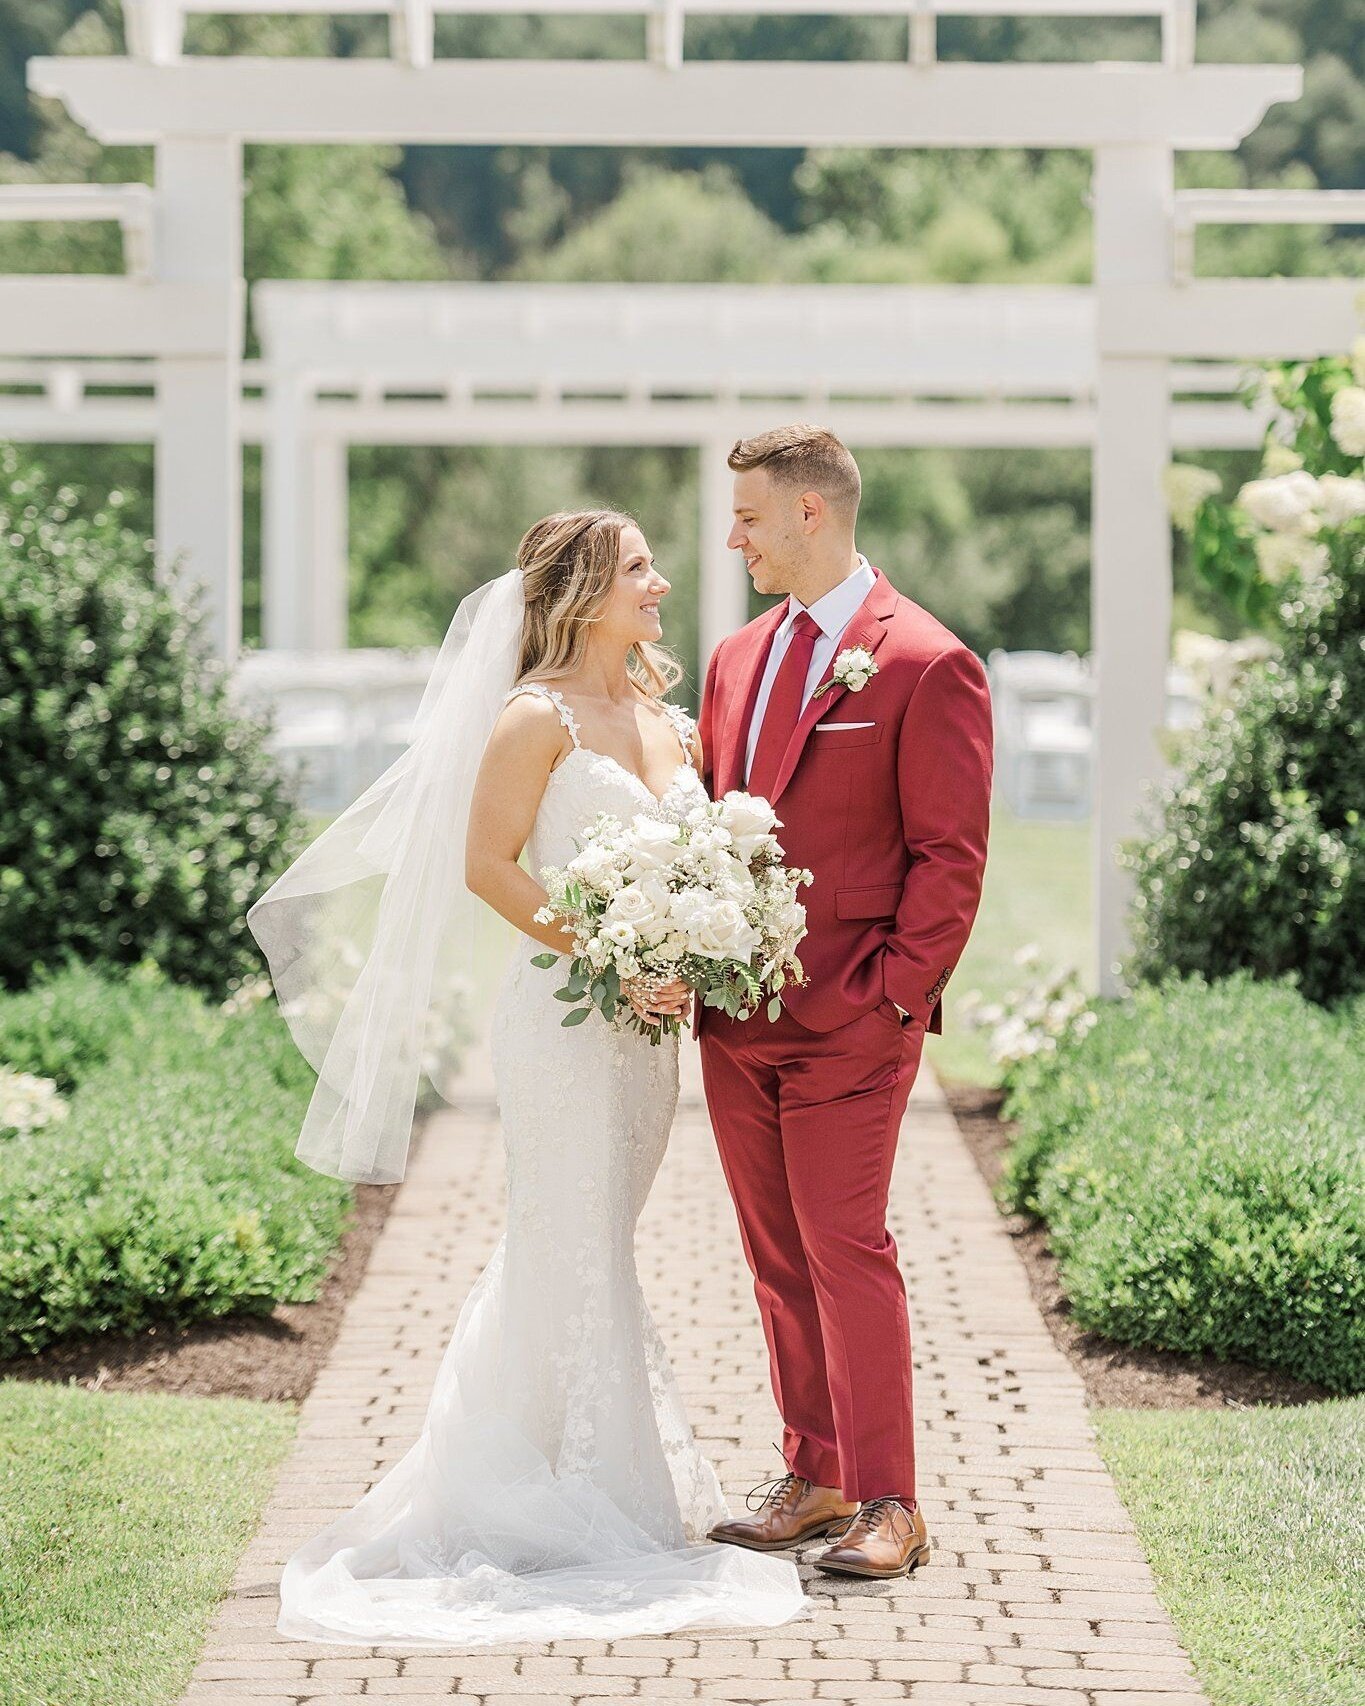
(827, 737)
(879, 902)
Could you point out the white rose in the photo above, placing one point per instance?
(750, 820)
(715, 928)
(1285, 504)
(652, 846)
(595, 868)
(1341, 499)
(644, 906)
(1348, 419)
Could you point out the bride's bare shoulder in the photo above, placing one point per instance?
(531, 723)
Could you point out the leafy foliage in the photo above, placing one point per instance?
(140, 814)
(1198, 1161)
(1255, 855)
(167, 1194)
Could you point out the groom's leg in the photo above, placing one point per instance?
(842, 1101)
(742, 1096)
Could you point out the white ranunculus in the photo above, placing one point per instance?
(1342, 498)
(1286, 504)
(1348, 419)
(1186, 487)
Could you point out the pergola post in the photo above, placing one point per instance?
(1130, 600)
(723, 585)
(304, 591)
(198, 478)
(329, 571)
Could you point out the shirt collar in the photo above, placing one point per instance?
(833, 610)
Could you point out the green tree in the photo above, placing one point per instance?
(140, 815)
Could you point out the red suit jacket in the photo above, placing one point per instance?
(891, 819)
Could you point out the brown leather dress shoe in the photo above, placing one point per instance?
(792, 1510)
(884, 1538)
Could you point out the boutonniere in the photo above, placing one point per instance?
(853, 669)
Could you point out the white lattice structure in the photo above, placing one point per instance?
(186, 315)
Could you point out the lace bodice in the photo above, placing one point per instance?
(588, 782)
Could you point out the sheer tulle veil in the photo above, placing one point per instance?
(374, 942)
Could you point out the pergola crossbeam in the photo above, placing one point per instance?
(615, 103)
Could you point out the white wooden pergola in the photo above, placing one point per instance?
(184, 314)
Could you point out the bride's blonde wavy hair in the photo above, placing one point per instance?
(568, 563)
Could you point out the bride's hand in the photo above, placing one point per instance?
(671, 1000)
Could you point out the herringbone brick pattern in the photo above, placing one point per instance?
(1037, 1593)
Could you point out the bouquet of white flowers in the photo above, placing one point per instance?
(707, 900)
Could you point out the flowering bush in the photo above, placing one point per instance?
(707, 900)
(1032, 1020)
(1275, 533)
(1253, 856)
(27, 1102)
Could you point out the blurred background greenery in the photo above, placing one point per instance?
(995, 542)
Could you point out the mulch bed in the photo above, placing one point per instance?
(1115, 1375)
(272, 1357)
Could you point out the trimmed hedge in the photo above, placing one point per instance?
(1198, 1159)
(170, 1193)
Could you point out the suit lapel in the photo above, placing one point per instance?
(749, 673)
(868, 629)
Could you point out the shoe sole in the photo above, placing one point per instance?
(914, 1563)
(777, 1545)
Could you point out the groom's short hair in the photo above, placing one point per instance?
(806, 459)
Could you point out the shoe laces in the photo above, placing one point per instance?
(871, 1516)
(773, 1492)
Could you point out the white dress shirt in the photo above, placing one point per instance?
(832, 612)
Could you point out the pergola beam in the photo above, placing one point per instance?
(704, 104)
(1245, 319)
(59, 314)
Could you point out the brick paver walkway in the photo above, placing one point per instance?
(1037, 1593)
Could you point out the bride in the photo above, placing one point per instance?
(556, 1489)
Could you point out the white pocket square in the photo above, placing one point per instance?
(845, 725)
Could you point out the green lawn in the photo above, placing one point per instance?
(122, 1518)
(1255, 1525)
(1037, 889)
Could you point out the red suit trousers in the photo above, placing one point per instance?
(806, 1124)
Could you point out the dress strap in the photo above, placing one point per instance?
(684, 726)
(556, 698)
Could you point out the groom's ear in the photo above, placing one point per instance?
(812, 511)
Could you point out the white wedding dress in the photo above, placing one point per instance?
(556, 1490)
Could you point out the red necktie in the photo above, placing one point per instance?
(784, 705)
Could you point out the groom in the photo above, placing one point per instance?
(881, 780)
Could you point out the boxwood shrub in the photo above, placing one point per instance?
(1199, 1159)
(170, 1193)
(140, 813)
